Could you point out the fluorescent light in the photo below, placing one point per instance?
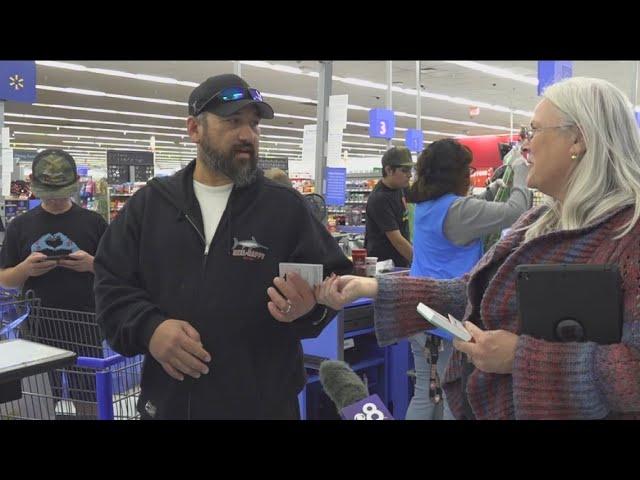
(72, 127)
(286, 115)
(115, 73)
(96, 93)
(496, 71)
(82, 120)
(64, 135)
(139, 125)
(455, 122)
(406, 91)
(280, 68)
(289, 98)
(276, 127)
(358, 107)
(378, 86)
(280, 136)
(299, 144)
(103, 110)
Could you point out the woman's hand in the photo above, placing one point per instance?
(492, 351)
(336, 291)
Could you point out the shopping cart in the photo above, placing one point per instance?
(101, 385)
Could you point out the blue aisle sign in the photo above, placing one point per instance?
(336, 179)
(382, 123)
(414, 140)
(25, 156)
(637, 118)
(550, 72)
(18, 81)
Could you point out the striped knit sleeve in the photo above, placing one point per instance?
(395, 314)
(583, 380)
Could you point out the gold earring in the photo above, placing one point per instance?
(574, 157)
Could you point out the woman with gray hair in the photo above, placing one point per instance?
(584, 153)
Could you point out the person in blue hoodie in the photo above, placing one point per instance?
(187, 273)
(449, 226)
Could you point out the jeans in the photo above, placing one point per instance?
(421, 406)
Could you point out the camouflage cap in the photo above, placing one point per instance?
(397, 157)
(54, 174)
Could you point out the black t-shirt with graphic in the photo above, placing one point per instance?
(40, 231)
(386, 211)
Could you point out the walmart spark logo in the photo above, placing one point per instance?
(16, 82)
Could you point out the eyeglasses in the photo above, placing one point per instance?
(231, 94)
(527, 133)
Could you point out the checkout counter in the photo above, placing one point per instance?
(350, 337)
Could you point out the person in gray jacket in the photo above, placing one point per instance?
(449, 226)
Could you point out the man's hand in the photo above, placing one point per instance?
(79, 261)
(37, 264)
(298, 299)
(336, 292)
(176, 345)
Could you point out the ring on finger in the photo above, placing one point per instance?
(289, 306)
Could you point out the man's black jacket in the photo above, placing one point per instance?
(151, 266)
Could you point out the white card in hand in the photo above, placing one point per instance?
(310, 272)
(451, 324)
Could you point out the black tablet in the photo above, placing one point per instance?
(570, 303)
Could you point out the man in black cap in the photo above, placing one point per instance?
(50, 250)
(184, 274)
(387, 217)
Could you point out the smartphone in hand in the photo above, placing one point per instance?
(64, 256)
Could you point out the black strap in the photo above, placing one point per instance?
(432, 349)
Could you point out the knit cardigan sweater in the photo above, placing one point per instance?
(549, 380)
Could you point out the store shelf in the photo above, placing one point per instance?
(355, 333)
(356, 202)
(121, 194)
(358, 229)
(359, 190)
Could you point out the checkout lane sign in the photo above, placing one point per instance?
(550, 72)
(414, 140)
(382, 123)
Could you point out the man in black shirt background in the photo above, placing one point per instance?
(50, 250)
(387, 216)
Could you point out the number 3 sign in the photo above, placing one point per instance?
(382, 123)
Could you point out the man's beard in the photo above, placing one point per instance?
(241, 174)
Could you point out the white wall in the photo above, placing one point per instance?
(363, 164)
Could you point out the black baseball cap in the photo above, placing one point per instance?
(208, 97)
(397, 157)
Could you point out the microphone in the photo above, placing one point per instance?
(349, 394)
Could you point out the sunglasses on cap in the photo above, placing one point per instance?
(231, 94)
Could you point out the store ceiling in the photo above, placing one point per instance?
(451, 88)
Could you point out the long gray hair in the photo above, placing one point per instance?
(607, 177)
